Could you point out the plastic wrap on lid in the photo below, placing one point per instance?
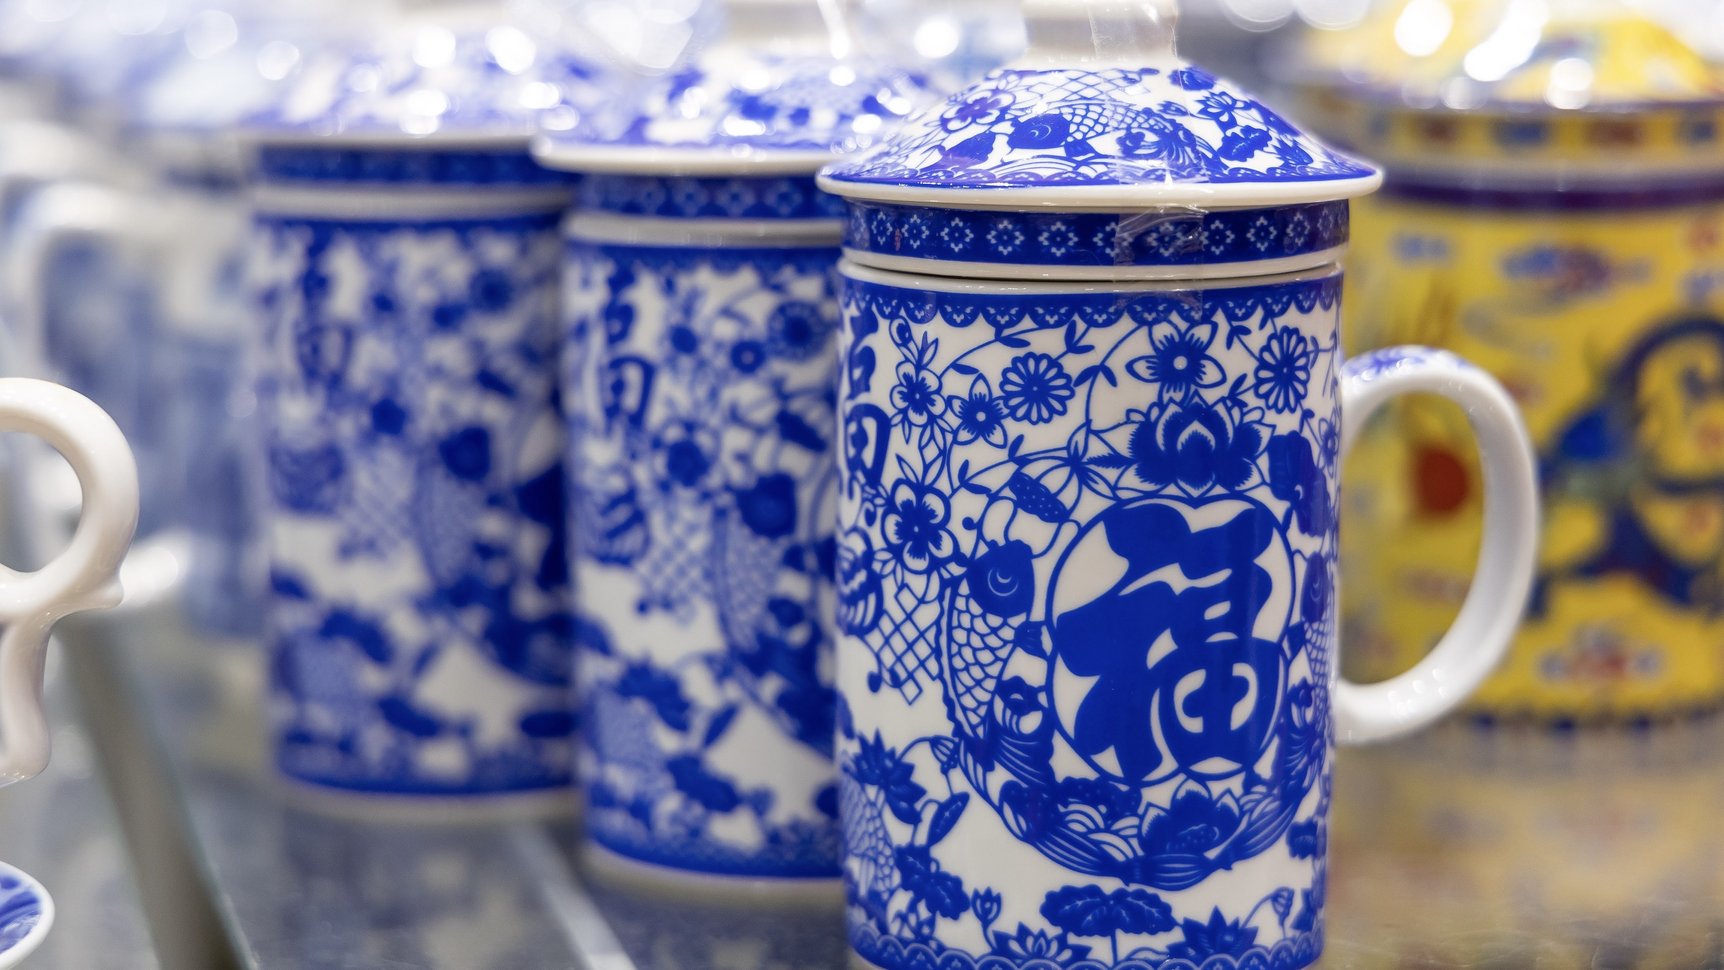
(1100, 112)
(436, 72)
(783, 88)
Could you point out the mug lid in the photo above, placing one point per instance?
(781, 91)
(1101, 112)
(444, 76)
(1585, 89)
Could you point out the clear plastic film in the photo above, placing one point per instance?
(770, 87)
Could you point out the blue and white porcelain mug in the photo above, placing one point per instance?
(1087, 589)
(701, 369)
(418, 615)
(406, 261)
(1093, 411)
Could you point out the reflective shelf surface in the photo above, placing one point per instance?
(1463, 848)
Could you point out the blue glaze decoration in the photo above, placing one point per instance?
(1113, 127)
(278, 164)
(422, 79)
(788, 197)
(1171, 237)
(700, 386)
(419, 629)
(801, 104)
(21, 909)
(1086, 596)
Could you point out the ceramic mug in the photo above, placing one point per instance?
(700, 367)
(183, 380)
(1087, 588)
(418, 616)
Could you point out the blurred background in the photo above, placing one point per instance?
(124, 222)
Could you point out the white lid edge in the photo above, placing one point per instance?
(1202, 195)
(674, 162)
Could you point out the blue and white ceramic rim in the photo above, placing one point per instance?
(1168, 243)
(18, 952)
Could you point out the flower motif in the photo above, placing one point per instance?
(980, 416)
(1035, 388)
(769, 506)
(1194, 824)
(986, 905)
(1180, 361)
(1198, 446)
(1284, 370)
(1091, 911)
(683, 454)
(877, 766)
(915, 526)
(1329, 441)
(799, 330)
(1027, 944)
(1223, 108)
(1219, 936)
(1058, 239)
(985, 108)
(1295, 477)
(917, 397)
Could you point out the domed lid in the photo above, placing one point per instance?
(1593, 88)
(1101, 113)
(229, 65)
(439, 70)
(783, 90)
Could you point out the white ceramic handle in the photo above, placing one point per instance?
(83, 577)
(1475, 645)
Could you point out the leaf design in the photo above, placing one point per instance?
(1037, 500)
(946, 817)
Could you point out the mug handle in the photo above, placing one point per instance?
(1487, 623)
(54, 217)
(83, 577)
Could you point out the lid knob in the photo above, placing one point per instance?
(1098, 33)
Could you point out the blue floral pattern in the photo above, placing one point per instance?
(701, 390)
(1109, 127)
(1134, 490)
(418, 615)
(1175, 238)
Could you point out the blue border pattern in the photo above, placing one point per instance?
(395, 166)
(1171, 237)
(660, 197)
(893, 953)
(1555, 195)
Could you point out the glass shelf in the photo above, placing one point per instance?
(1460, 849)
